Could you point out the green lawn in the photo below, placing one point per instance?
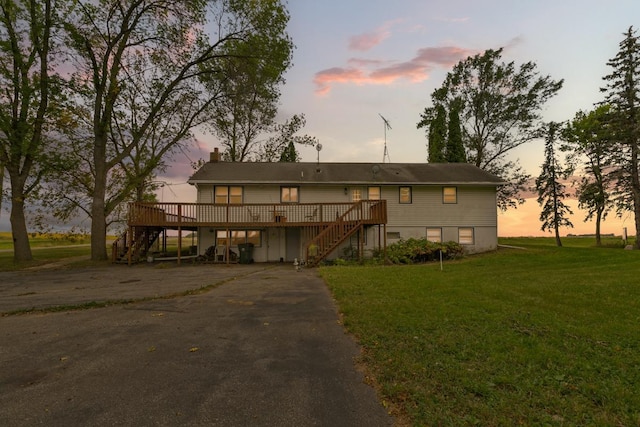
(542, 336)
(46, 248)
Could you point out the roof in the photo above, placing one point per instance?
(343, 173)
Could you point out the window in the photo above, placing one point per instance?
(393, 235)
(434, 235)
(255, 237)
(449, 195)
(374, 193)
(289, 195)
(405, 194)
(239, 237)
(228, 195)
(356, 195)
(465, 236)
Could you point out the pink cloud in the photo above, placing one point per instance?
(445, 56)
(412, 71)
(366, 71)
(366, 41)
(325, 78)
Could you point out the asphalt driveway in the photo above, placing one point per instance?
(261, 346)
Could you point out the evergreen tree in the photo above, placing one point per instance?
(290, 154)
(623, 94)
(455, 147)
(437, 136)
(551, 192)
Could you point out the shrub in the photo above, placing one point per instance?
(416, 251)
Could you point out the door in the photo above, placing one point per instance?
(292, 243)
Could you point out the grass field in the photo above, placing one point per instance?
(541, 336)
(46, 248)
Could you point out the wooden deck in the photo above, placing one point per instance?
(192, 215)
(325, 224)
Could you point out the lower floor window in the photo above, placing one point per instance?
(393, 235)
(434, 234)
(465, 236)
(239, 237)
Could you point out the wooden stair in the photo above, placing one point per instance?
(325, 242)
(125, 250)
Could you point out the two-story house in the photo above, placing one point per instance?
(315, 211)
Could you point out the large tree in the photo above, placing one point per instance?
(623, 94)
(589, 143)
(551, 191)
(148, 70)
(249, 104)
(500, 109)
(26, 28)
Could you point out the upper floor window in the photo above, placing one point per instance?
(289, 195)
(374, 193)
(449, 195)
(356, 195)
(228, 195)
(405, 194)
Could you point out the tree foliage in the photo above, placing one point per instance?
(438, 136)
(589, 141)
(500, 109)
(148, 72)
(455, 146)
(26, 107)
(281, 144)
(622, 91)
(250, 93)
(551, 192)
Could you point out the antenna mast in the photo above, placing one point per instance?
(385, 155)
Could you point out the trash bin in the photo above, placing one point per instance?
(246, 253)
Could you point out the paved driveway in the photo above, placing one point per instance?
(262, 348)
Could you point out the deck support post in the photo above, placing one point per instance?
(179, 243)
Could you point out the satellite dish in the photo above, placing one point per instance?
(375, 169)
(319, 147)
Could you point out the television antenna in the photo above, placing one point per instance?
(385, 155)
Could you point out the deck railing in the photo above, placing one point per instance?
(254, 214)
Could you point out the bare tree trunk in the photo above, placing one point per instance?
(98, 211)
(558, 241)
(598, 221)
(1, 186)
(21, 246)
(635, 188)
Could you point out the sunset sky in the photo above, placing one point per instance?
(355, 60)
(358, 59)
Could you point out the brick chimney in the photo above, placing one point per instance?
(215, 156)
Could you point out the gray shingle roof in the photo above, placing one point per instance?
(343, 173)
